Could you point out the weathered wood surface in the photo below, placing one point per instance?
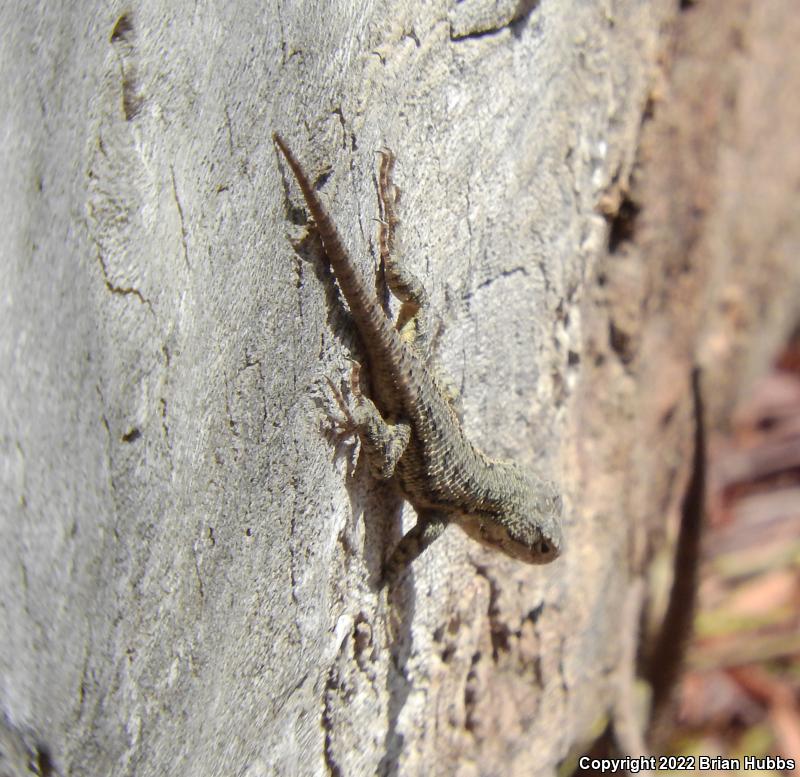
(188, 567)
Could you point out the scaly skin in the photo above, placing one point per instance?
(410, 431)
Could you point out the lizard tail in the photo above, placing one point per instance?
(372, 323)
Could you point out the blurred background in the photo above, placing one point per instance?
(740, 693)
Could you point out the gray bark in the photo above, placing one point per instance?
(189, 559)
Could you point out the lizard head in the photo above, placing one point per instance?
(524, 523)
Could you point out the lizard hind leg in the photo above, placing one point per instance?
(383, 442)
(411, 320)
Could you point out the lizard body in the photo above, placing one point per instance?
(408, 427)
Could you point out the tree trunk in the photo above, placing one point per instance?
(190, 555)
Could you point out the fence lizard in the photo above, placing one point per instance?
(408, 427)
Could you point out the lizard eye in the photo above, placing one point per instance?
(544, 547)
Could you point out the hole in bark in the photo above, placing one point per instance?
(623, 225)
(132, 435)
(621, 343)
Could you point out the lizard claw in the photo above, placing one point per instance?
(344, 426)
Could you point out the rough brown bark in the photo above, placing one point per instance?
(702, 270)
(188, 566)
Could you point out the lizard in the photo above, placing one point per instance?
(408, 427)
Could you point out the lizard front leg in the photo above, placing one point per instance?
(430, 525)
